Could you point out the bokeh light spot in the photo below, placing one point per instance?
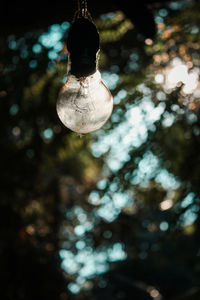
(47, 133)
(164, 226)
(14, 109)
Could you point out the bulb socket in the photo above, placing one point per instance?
(83, 46)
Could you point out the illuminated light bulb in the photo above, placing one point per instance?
(84, 103)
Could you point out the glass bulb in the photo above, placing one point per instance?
(84, 104)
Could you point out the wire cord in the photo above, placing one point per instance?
(82, 11)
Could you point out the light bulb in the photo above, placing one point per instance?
(84, 104)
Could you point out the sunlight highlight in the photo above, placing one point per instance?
(166, 204)
(178, 73)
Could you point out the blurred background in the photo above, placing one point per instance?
(114, 214)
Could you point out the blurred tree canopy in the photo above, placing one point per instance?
(112, 215)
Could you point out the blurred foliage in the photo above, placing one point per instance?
(114, 214)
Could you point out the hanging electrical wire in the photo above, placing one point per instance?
(82, 11)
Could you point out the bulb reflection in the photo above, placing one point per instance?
(84, 104)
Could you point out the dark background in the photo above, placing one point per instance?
(16, 17)
(47, 171)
